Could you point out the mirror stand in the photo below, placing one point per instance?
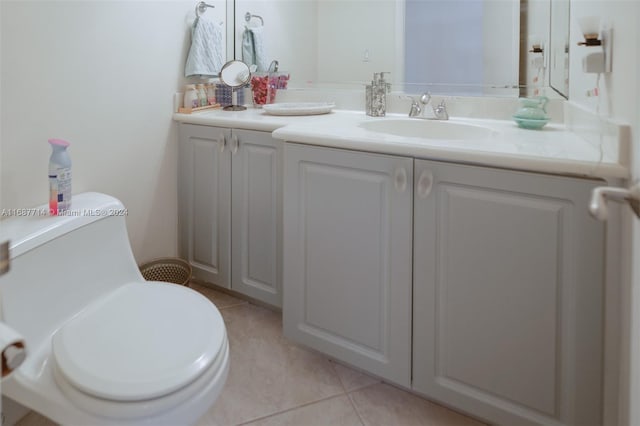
(234, 102)
(235, 74)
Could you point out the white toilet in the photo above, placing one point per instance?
(104, 346)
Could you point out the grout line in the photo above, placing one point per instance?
(230, 306)
(379, 382)
(333, 367)
(277, 413)
(211, 297)
(334, 363)
(348, 393)
(355, 408)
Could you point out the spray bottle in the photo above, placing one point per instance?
(59, 177)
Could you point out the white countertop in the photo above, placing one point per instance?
(550, 150)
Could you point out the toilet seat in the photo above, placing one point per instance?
(141, 342)
(203, 391)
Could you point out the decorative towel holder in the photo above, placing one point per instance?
(201, 8)
(249, 15)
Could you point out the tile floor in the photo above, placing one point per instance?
(273, 381)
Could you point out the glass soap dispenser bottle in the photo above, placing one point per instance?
(376, 95)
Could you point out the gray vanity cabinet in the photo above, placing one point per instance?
(507, 294)
(347, 257)
(230, 208)
(205, 201)
(256, 223)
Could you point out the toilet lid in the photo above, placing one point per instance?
(144, 340)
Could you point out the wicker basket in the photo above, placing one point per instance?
(168, 269)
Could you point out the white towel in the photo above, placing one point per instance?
(205, 54)
(253, 48)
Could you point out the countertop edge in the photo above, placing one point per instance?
(479, 158)
(282, 128)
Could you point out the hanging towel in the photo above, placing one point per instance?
(253, 48)
(205, 54)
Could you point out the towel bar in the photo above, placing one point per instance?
(201, 8)
(249, 15)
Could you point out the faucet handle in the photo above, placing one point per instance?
(416, 109)
(441, 111)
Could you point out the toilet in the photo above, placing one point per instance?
(103, 345)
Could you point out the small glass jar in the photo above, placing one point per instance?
(191, 99)
(263, 90)
(211, 94)
(202, 95)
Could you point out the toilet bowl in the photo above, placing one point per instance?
(104, 346)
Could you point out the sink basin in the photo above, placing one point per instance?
(428, 129)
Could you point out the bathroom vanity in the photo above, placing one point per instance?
(469, 272)
(230, 214)
(490, 299)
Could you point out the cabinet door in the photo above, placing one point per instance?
(205, 202)
(508, 285)
(347, 256)
(257, 215)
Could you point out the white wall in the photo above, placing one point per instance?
(100, 74)
(617, 98)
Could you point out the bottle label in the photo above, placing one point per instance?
(59, 190)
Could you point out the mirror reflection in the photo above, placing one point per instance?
(235, 74)
(559, 47)
(456, 47)
(461, 46)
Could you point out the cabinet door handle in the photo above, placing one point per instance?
(223, 142)
(234, 144)
(425, 183)
(401, 179)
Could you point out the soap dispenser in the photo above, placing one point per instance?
(376, 95)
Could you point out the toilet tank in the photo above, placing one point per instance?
(59, 264)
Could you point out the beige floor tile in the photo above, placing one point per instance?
(268, 374)
(281, 383)
(385, 405)
(35, 419)
(352, 379)
(336, 411)
(220, 299)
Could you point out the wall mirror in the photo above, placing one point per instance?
(455, 47)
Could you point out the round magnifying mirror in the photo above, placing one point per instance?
(235, 74)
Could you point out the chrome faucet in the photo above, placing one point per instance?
(420, 110)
